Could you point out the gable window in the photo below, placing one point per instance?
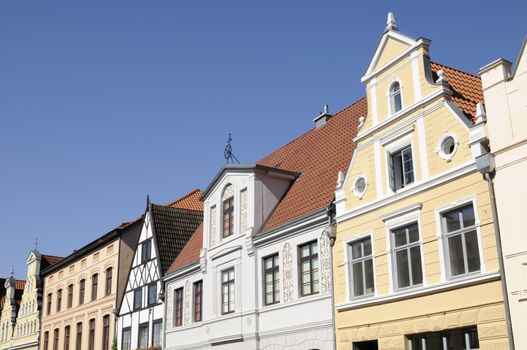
(271, 280)
(78, 339)
(142, 340)
(462, 246)
(94, 285)
(82, 289)
(48, 309)
(407, 256)
(146, 251)
(138, 298)
(309, 269)
(361, 267)
(70, 296)
(91, 335)
(228, 211)
(108, 286)
(156, 333)
(178, 307)
(152, 294)
(67, 338)
(106, 332)
(127, 339)
(198, 303)
(59, 299)
(401, 168)
(395, 97)
(227, 291)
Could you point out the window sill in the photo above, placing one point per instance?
(418, 292)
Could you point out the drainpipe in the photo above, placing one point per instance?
(485, 165)
(332, 233)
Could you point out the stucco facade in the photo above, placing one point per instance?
(505, 92)
(415, 259)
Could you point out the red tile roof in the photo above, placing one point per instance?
(19, 291)
(189, 201)
(48, 260)
(320, 154)
(191, 251)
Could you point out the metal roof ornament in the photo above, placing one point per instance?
(229, 156)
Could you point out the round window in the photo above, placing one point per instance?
(360, 186)
(448, 145)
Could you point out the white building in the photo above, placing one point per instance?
(165, 231)
(505, 91)
(257, 273)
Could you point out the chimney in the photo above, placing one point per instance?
(322, 118)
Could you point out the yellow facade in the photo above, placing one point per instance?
(416, 191)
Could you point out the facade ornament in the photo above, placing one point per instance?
(325, 263)
(441, 77)
(340, 180)
(390, 23)
(188, 305)
(287, 263)
(203, 260)
(361, 122)
(212, 233)
(243, 210)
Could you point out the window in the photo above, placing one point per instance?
(463, 338)
(361, 267)
(401, 168)
(152, 294)
(78, 339)
(56, 339)
(198, 302)
(142, 340)
(360, 186)
(227, 291)
(228, 217)
(106, 332)
(459, 227)
(82, 288)
(94, 284)
(49, 303)
(127, 339)
(46, 340)
(108, 287)
(178, 307)
(309, 268)
(395, 97)
(67, 338)
(91, 334)
(271, 280)
(407, 256)
(138, 298)
(70, 296)
(156, 333)
(366, 345)
(59, 299)
(146, 251)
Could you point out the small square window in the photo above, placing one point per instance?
(138, 298)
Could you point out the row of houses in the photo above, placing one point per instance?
(394, 223)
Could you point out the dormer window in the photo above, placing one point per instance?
(395, 97)
(228, 211)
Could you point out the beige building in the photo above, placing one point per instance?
(415, 258)
(21, 305)
(505, 92)
(81, 292)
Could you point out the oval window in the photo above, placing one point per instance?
(447, 147)
(360, 186)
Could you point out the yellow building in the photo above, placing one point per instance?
(415, 258)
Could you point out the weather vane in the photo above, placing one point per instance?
(228, 152)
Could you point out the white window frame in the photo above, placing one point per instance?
(389, 97)
(234, 211)
(394, 146)
(443, 246)
(439, 149)
(357, 193)
(348, 260)
(225, 270)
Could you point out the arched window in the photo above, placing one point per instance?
(228, 210)
(395, 97)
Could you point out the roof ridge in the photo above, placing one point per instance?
(185, 196)
(456, 69)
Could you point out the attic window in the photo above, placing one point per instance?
(395, 97)
(228, 211)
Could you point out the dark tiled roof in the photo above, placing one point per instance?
(190, 253)
(173, 227)
(48, 260)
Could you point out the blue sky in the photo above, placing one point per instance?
(104, 102)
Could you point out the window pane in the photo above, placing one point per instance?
(356, 251)
(452, 221)
(401, 260)
(368, 267)
(417, 272)
(455, 250)
(367, 246)
(413, 233)
(468, 215)
(127, 344)
(399, 236)
(358, 288)
(305, 250)
(471, 240)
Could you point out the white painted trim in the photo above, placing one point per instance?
(347, 261)
(373, 99)
(398, 133)
(442, 287)
(415, 75)
(389, 96)
(454, 109)
(378, 169)
(459, 171)
(304, 327)
(400, 212)
(423, 154)
(357, 193)
(394, 146)
(439, 149)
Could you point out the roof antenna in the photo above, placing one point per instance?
(390, 23)
(229, 156)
